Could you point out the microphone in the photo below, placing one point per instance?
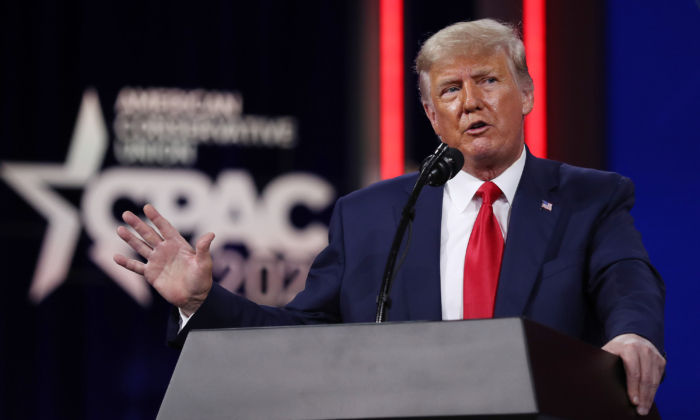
(436, 170)
(445, 168)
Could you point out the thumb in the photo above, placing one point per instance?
(202, 247)
(613, 348)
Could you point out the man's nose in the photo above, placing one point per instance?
(471, 97)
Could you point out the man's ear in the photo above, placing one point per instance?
(430, 112)
(528, 101)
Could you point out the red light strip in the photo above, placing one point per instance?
(534, 34)
(391, 89)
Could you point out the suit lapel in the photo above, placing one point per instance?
(529, 232)
(419, 278)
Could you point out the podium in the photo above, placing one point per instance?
(508, 368)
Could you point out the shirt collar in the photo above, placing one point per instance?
(463, 186)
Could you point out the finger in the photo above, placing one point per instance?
(655, 382)
(646, 382)
(165, 228)
(611, 348)
(652, 371)
(147, 233)
(135, 243)
(631, 362)
(661, 367)
(132, 265)
(202, 247)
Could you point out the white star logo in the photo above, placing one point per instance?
(35, 182)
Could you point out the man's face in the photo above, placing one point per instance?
(478, 108)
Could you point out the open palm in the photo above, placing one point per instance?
(181, 274)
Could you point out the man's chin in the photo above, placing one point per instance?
(480, 149)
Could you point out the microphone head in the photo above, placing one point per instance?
(457, 160)
(445, 168)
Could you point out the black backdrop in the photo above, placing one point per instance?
(88, 349)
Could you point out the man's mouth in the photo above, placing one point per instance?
(477, 127)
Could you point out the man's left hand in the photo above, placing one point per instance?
(644, 366)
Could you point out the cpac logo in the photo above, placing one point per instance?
(278, 253)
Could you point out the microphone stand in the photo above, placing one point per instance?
(407, 215)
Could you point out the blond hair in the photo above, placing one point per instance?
(468, 38)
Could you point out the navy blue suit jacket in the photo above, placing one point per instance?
(580, 268)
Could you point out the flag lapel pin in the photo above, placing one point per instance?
(546, 206)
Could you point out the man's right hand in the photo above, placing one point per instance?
(180, 274)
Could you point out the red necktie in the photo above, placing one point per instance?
(482, 264)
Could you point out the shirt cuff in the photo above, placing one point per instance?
(183, 319)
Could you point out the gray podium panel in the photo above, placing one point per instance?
(458, 369)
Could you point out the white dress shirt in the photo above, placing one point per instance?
(460, 207)
(183, 319)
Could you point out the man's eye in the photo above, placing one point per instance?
(491, 80)
(451, 89)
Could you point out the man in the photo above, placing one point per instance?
(510, 235)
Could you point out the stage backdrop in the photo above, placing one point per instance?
(229, 117)
(653, 88)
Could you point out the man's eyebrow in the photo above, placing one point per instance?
(477, 73)
(474, 73)
(448, 80)
(481, 72)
